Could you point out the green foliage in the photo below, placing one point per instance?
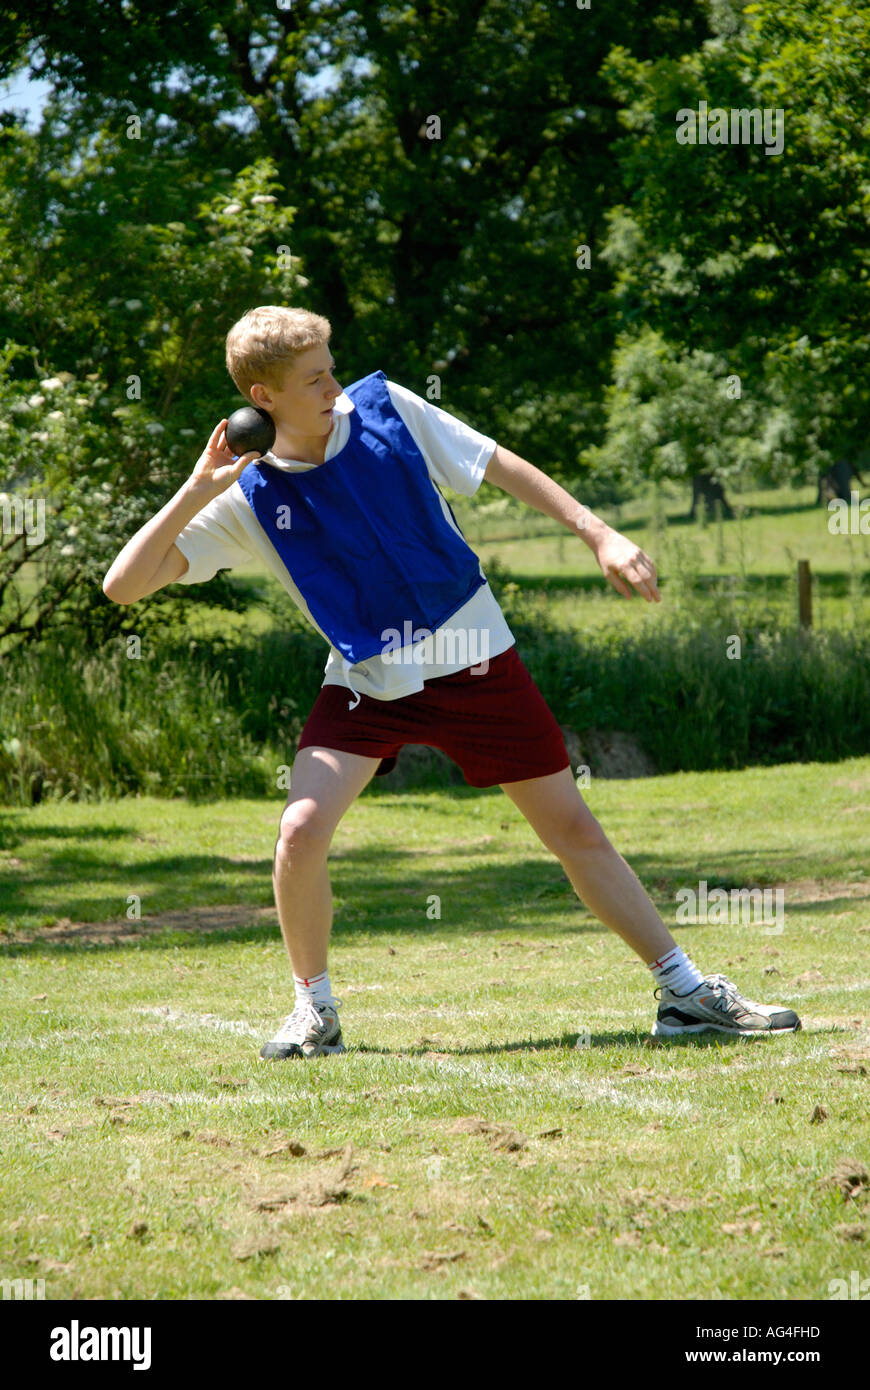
(758, 257)
(673, 414)
(212, 718)
(788, 696)
(182, 154)
(82, 726)
(103, 446)
(453, 255)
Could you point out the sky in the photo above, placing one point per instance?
(22, 93)
(19, 93)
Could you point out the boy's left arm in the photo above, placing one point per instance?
(620, 559)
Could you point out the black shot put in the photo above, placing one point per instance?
(250, 429)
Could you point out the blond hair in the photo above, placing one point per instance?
(266, 341)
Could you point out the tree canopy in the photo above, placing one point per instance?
(487, 199)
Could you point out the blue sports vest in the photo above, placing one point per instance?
(365, 539)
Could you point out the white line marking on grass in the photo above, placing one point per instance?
(451, 1011)
(493, 1077)
(186, 1020)
(632, 1100)
(411, 1014)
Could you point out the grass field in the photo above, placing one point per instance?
(751, 558)
(500, 1127)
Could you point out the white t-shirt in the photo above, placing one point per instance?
(226, 533)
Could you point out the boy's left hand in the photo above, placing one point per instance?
(621, 560)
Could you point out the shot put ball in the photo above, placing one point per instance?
(250, 429)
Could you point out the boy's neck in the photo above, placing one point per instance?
(301, 448)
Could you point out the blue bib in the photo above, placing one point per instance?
(363, 535)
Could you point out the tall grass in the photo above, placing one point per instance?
(88, 725)
(719, 685)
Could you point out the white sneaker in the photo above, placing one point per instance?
(310, 1030)
(718, 1004)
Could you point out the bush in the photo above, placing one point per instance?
(90, 726)
(790, 695)
(214, 718)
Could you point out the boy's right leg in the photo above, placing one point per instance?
(323, 785)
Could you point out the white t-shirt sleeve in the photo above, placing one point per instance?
(455, 454)
(214, 540)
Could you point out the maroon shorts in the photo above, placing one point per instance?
(496, 726)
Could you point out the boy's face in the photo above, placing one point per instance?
(303, 405)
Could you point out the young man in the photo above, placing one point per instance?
(346, 512)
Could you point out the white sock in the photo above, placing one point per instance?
(677, 972)
(317, 989)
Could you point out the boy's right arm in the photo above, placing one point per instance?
(151, 559)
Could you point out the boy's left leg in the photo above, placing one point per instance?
(611, 890)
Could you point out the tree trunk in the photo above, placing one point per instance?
(836, 482)
(707, 491)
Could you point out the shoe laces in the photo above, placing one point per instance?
(719, 984)
(305, 1011)
(729, 994)
(722, 984)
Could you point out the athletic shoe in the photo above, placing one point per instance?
(718, 1004)
(310, 1030)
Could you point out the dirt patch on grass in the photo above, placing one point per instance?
(608, 753)
(500, 1136)
(850, 1176)
(855, 784)
(118, 930)
(310, 1190)
(645, 1201)
(826, 890)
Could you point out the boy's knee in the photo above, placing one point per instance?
(580, 831)
(304, 829)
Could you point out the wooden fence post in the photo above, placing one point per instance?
(805, 594)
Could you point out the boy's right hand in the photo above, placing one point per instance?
(217, 468)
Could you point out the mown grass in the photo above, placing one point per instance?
(143, 1137)
(752, 558)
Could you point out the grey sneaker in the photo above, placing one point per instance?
(718, 1004)
(310, 1030)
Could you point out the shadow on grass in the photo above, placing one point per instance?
(14, 830)
(380, 890)
(566, 1042)
(20, 894)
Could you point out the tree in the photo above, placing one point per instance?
(756, 256)
(99, 442)
(676, 415)
(446, 161)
